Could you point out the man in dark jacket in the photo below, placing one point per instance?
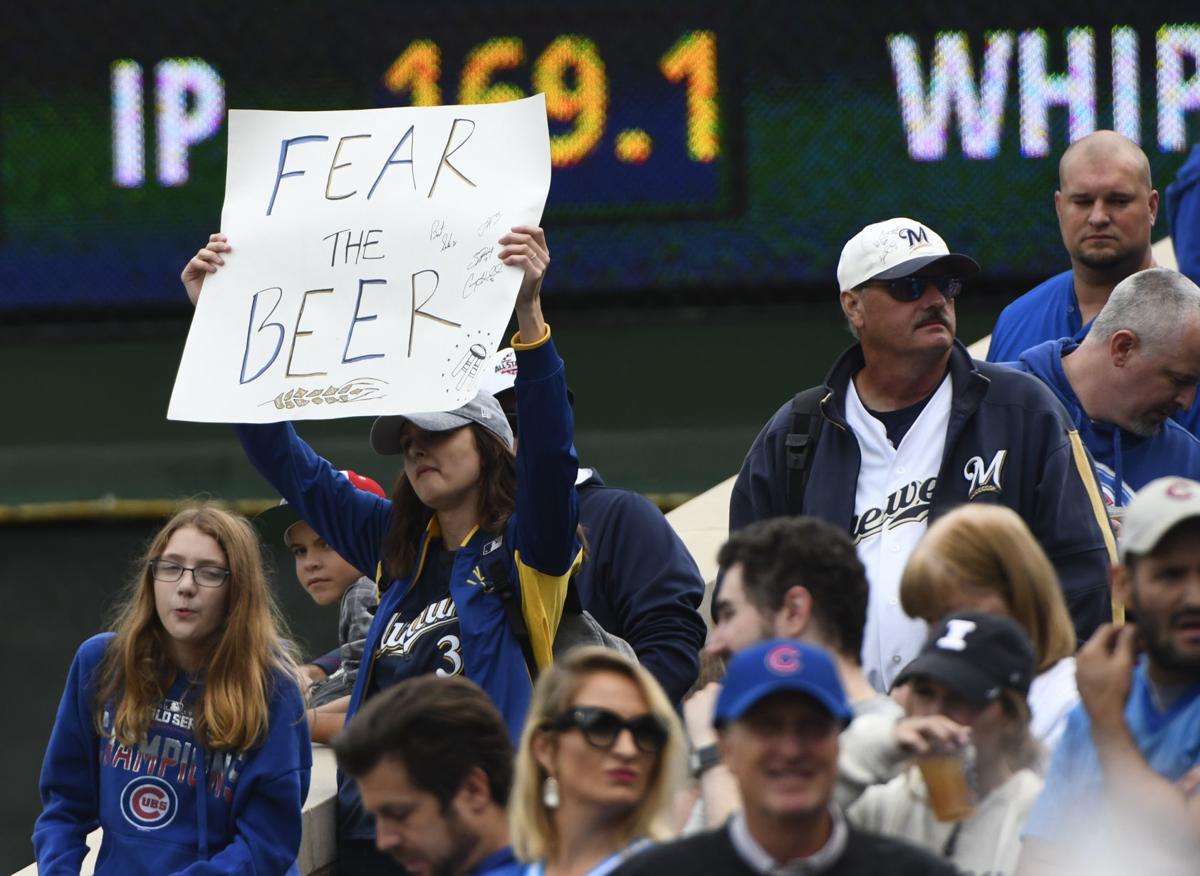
(1122, 383)
(778, 717)
(907, 426)
(638, 581)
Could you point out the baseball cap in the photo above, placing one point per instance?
(273, 524)
(482, 409)
(977, 656)
(500, 375)
(1156, 509)
(780, 665)
(501, 372)
(897, 248)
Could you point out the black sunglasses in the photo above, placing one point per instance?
(600, 727)
(912, 288)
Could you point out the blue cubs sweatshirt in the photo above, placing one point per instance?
(167, 805)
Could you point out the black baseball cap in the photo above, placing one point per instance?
(977, 656)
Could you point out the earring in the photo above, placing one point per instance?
(550, 792)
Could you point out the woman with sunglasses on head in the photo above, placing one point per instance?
(598, 765)
(477, 543)
(182, 732)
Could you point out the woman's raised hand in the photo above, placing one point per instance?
(206, 261)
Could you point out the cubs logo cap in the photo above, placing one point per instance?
(1157, 508)
(897, 248)
(274, 523)
(976, 655)
(780, 665)
(482, 409)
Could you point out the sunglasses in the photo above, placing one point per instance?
(600, 727)
(912, 288)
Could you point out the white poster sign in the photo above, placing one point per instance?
(364, 276)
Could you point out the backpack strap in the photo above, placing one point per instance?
(502, 582)
(801, 442)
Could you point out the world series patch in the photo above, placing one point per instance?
(149, 803)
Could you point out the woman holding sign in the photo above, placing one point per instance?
(477, 543)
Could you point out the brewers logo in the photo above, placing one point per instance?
(149, 803)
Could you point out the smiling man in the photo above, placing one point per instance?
(433, 762)
(778, 718)
(1122, 784)
(907, 426)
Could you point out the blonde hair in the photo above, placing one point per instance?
(989, 547)
(247, 655)
(534, 836)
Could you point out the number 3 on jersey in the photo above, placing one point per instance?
(451, 649)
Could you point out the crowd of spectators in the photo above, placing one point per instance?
(956, 626)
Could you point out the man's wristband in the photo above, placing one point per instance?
(703, 759)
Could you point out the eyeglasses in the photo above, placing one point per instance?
(912, 288)
(600, 727)
(206, 576)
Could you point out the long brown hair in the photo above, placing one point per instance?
(410, 516)
(246, 656)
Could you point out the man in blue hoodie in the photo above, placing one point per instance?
(1136, 368)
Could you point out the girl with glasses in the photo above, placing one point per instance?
(597, 768)
(181, 733)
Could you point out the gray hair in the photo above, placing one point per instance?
(1155, 304)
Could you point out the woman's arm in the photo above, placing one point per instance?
(352, 521)
(70, 780)
(547, 515)
(547, 507)
(327, 721)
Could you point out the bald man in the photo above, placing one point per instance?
(1106, 207)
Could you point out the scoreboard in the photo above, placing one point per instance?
(697, 147)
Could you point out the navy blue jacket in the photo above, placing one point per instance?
(1044, 474)
(641, 583)
(1183, 216)
(1124, 462)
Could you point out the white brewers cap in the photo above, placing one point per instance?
(897, 248)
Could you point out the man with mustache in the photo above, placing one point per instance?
(1106, 206)
(907, 426)
(1138, 366)
(1122, 785)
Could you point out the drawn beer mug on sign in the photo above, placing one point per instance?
(364, 278)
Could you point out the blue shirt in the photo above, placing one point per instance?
(1046, 313)
(1124, 462)
(1072, 803)
(501, 863)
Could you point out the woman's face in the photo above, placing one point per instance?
(189, 612)
(988, 724)
(613, 777)
(443, 467)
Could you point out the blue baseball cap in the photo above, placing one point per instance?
(780, 665)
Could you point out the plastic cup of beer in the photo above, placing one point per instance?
(946, 780)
